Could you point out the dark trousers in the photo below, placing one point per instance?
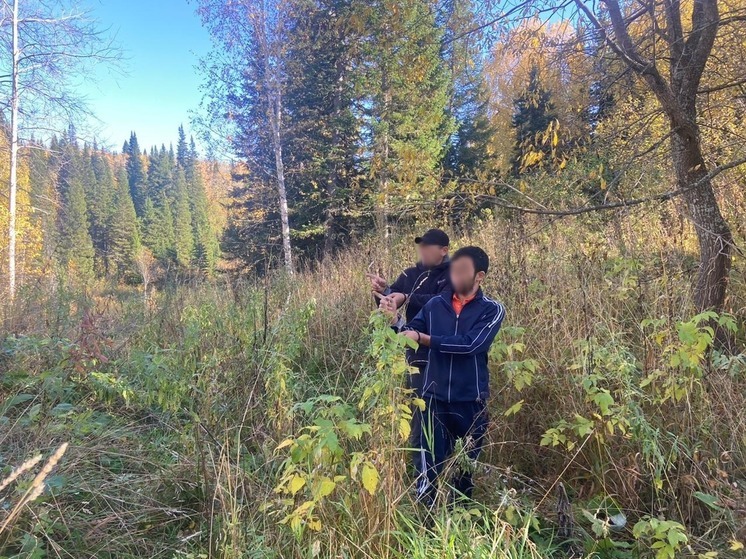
(434, 435)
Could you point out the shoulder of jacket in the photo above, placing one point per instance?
(442, 297)
(410, 272)
(494, 306)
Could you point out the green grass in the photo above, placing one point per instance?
(174, 409)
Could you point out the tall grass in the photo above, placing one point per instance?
(174, 410)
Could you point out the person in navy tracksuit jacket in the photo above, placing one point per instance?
(458, 327)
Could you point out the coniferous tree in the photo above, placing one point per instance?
(158, 228)
(253, 78)
(182, 149)
(124, 234)
(410, 93)
(323, 137)
(207, 249)
(469, 154)
(533, 114)
(75, 247)
(160, 174)
(44, 198)
(136, 173)
(100, 192)
(183, 227)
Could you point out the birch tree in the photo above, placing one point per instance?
(46, 44)
(246, 82)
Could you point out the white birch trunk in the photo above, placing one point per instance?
(13, 187)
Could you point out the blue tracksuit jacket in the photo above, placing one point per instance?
(457, 369)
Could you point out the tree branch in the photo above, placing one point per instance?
(614, 205)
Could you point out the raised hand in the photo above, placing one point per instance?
(377, 283)
(387, 305)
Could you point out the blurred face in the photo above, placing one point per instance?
(431, 255)
(463, 277)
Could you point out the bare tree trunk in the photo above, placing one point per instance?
(276, 120)
(713, 233)
(267, 24)
(677, 95)
(13, 187)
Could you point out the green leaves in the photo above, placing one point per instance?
(331, 453)
(62, 409)
(664, 536)
(16, 400)
(603, 400)
(709, 500)
(505, 351)
(685, 356)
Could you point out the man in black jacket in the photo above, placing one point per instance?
(415, 287)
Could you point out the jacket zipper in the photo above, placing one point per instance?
(418, 283)
(450, 369)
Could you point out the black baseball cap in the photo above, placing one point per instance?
(433, 237)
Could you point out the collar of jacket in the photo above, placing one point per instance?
(442, 266)
(447, 295)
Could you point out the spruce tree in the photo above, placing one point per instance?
(469, 152)
(533, 114)
(100, 191)
(409, 105)
(323, 137)
(160, 174)
(44, 198)
(136, 173)
(158, 228)
(184, 235)
(191, 169)
(182, 149)
(76, 247)
(124, 233)
(207, 248)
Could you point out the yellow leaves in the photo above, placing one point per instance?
(735, 545)
(514, 409)
(404, 428)
(302, 516)
(284, 444)
(420, 403)
(369, 478)
(296, 484)
(324, 488)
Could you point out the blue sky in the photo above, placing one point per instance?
(158, 85)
